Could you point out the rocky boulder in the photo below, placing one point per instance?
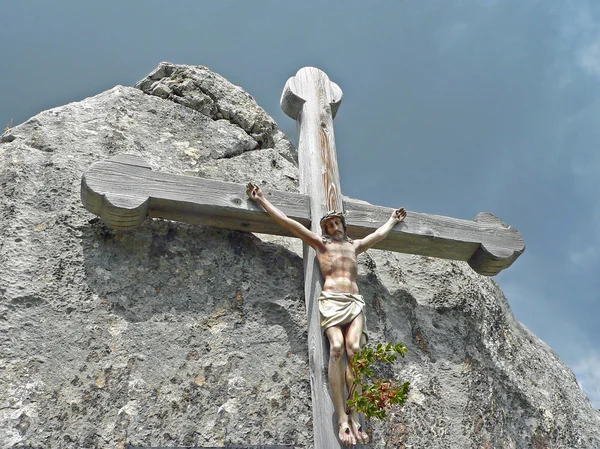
(176, 335)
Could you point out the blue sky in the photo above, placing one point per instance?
(450, 107)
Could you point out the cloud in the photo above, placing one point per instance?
(580, 37)
(589, 57)
(587, 371)
(577, 136)
(584, 244)
(584, 257)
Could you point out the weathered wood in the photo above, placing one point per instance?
(310, 98)
(123, 191)
(486, 243)
(124, 194)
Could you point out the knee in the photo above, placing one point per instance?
(352, 348)
(336, 350)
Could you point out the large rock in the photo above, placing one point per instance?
(179, 335)
(199, 89)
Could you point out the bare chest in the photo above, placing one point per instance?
(338, 257)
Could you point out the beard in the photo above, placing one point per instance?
(338, 235)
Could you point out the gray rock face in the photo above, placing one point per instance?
(207, 92)
(180, 335)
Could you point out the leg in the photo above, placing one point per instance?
(352, 337)
(336, 383)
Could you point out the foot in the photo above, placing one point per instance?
(358, 431)
(346, 436)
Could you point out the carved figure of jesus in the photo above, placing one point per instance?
(340, 304)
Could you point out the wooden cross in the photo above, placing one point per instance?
(124, 190)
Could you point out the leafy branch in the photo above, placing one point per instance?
(9, 126)
(372, 395)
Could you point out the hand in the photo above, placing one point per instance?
(399, 214)
(254, 192)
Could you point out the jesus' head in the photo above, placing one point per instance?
(333, 224)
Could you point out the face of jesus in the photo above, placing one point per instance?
(334, 227)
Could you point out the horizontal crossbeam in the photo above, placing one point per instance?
(124, 190)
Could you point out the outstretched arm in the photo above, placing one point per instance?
(255, 193)
(364, 244)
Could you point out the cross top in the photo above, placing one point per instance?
(313, 100)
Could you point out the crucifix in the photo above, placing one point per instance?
(124, 190)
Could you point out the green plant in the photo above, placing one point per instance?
(370, 394)
(9, 126)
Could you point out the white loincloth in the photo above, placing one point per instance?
(339, 309)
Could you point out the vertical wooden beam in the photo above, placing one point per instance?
(312, 100)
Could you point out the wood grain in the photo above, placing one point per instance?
(136, 192)
(310, 98)
(124, 194)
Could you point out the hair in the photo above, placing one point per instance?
(328, 216)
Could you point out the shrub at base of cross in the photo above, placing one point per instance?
(370, 394)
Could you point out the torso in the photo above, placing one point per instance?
(339, 267)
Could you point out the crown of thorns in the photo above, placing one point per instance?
(333, 214)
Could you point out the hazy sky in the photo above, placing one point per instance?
(450, 107)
